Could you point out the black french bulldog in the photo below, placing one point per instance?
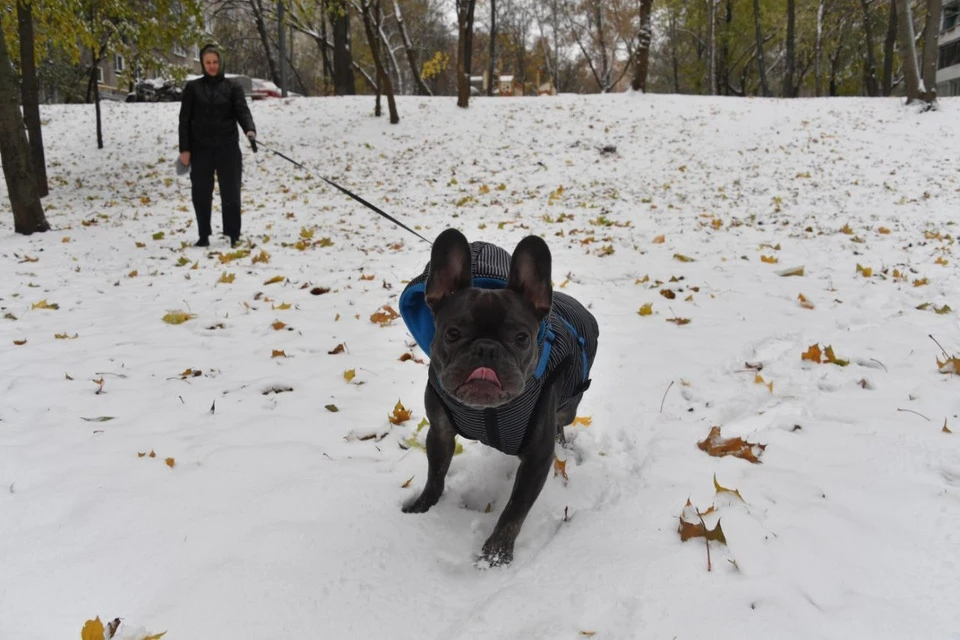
(508, 367)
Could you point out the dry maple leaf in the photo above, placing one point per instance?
(717, 446)
(332, 408)
(278, 353)
(769, 259)
(407, 483)
(400, 414)
(946, 429)
(831, 357)
(152, 454)
(560, 468)
(92, 630)
(278, 325)
(793, 271)
(349, 374)
(950, 365)
(668, 294)
(583, 421)
(646, 309)
(659, 239)
(865, 271)
(921, 282)
(275, 280)
(340, 348)
(721, 489)
(758, 379)
(682, 258)
(178, 317)
(20, 343)
(812, 354)
(227, 278)
(691, 526)
(112, 628)
(170, 462)
(368, 277)
(679, 321)
(804, 303)
(385, 316)
(883, 231)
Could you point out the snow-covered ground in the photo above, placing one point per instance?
(277, 517)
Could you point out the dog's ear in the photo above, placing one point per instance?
(449, 267)
(530, 274)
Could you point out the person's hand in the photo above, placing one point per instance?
(185, 158)
(252, 134)
(252, 137)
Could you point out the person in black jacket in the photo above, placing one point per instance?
(210, 110)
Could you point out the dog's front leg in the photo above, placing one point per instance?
(535, 462)
(441, 442)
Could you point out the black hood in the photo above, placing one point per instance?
(212, 48)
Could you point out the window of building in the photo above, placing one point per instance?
(949, 55)
(951, 16)
(100, 74)
(178, 50)
(119, 64)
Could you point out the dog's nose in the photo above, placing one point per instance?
(486, 350)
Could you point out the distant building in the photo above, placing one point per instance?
(948, 64)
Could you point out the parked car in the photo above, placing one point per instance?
(155, 90)
(264, 89)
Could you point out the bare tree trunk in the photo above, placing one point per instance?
(344, 82)
(605, 68)
(761, 63)
(422, 88)
(908, 50)
(491, 65)
(931, 41)
(465, 11)
(674, 54)
(641, 55)
(96, 94)
(258, 17)
(15, 154)
(870, 81)
(818, 51)
(712, 46)
(372, 29)
(791, 62)
(321, 44)
(888, 47)
(31, 98)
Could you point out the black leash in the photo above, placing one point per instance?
(333, 184)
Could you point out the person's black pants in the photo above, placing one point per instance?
(227, 162)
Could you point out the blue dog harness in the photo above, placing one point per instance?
(567, 343)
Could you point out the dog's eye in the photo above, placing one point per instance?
(523, 339)
(452, 335)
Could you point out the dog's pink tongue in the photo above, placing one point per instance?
(484, 373)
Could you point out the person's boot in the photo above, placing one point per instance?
(204, 241)
(234, 241)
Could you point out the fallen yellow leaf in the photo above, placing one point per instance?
(400, 414)
(646, 309)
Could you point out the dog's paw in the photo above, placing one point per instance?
(421, 505)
